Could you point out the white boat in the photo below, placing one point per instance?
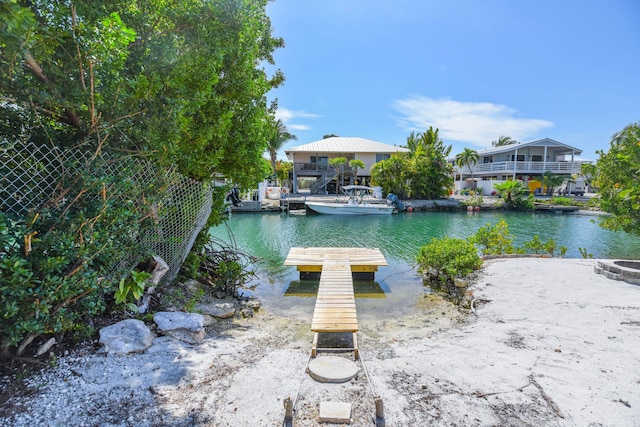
(359, 202)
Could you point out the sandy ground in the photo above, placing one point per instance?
(551, 344)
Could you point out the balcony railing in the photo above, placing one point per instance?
(521, 167)
(311, 167)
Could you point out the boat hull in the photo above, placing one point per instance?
(350, 209)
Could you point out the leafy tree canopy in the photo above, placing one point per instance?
(179, 81)
(502, 141)
(617, 178)
(278, 135)
(423, 173)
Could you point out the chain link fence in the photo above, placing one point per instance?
(31, 175)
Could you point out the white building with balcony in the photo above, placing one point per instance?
(526, 161)
(311, 161)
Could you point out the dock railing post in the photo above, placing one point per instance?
(288, 413)
(379, 413)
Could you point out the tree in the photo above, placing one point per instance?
(390, 174)
(616, 177)
(337, 163)
(423, 173)
(502, 141)
(279, 135)
(331, 135)
(430, 175)
(511, 191)
(588, 172)
(552, 181)
(283, 169)
(181, 82)
(413, 141)
(356, 164)
(469, 158)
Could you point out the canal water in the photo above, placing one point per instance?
(268, 236)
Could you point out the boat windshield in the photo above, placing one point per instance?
(357, 190)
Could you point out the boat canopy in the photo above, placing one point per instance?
(356, 188)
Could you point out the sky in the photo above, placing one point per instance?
(568, 70)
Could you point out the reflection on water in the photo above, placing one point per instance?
(309, 288)
(269, 237)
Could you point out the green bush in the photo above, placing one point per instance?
(473, 201)
(494, 240)
(61, 265)
(562, 201)
(448, 258)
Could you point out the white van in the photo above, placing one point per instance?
(575, 187)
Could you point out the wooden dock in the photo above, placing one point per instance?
(555, 208)
(335, 309)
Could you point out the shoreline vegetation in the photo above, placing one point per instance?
(455, 202)
(548, 342)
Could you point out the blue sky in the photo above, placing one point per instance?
(379, 69)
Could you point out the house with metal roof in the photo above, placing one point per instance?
(524, 161)
(311, 161)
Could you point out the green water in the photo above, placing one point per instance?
(269, 236)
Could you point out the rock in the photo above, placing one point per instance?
(253, 304)
(247, 312)
(172, 320)
(193, 285)
(187, 336)
(461, 283)
(126, 336)
(187, 327)
(45, 347)
(220, 310)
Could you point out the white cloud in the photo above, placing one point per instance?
(298, 127)
(288, 115)
(477, 123)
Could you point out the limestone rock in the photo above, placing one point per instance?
(172, 320)
(187, 327)
(247, 312)
(126, 336)
(253, 304)
(221, 310)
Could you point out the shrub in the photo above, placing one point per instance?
(494, 240)
(473, 201)
(58, 265)
(562, 201)
(448, 258)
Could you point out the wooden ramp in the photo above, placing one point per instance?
(335, 309)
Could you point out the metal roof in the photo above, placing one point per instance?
(338, 144)
(538, 142)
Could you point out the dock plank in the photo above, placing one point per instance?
(335, 308)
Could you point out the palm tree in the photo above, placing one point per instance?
(511, 191)
(503, 140)
(468, 157)
(356, 164)
(337, 163)
(413, 141)
(552, 180)
(279, 135)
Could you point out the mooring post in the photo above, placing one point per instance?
(379, 412)
(288, 413)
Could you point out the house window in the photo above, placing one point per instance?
(519, 159)
(536, 158)
(487, 159)
(320, 162)
(383, 156)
